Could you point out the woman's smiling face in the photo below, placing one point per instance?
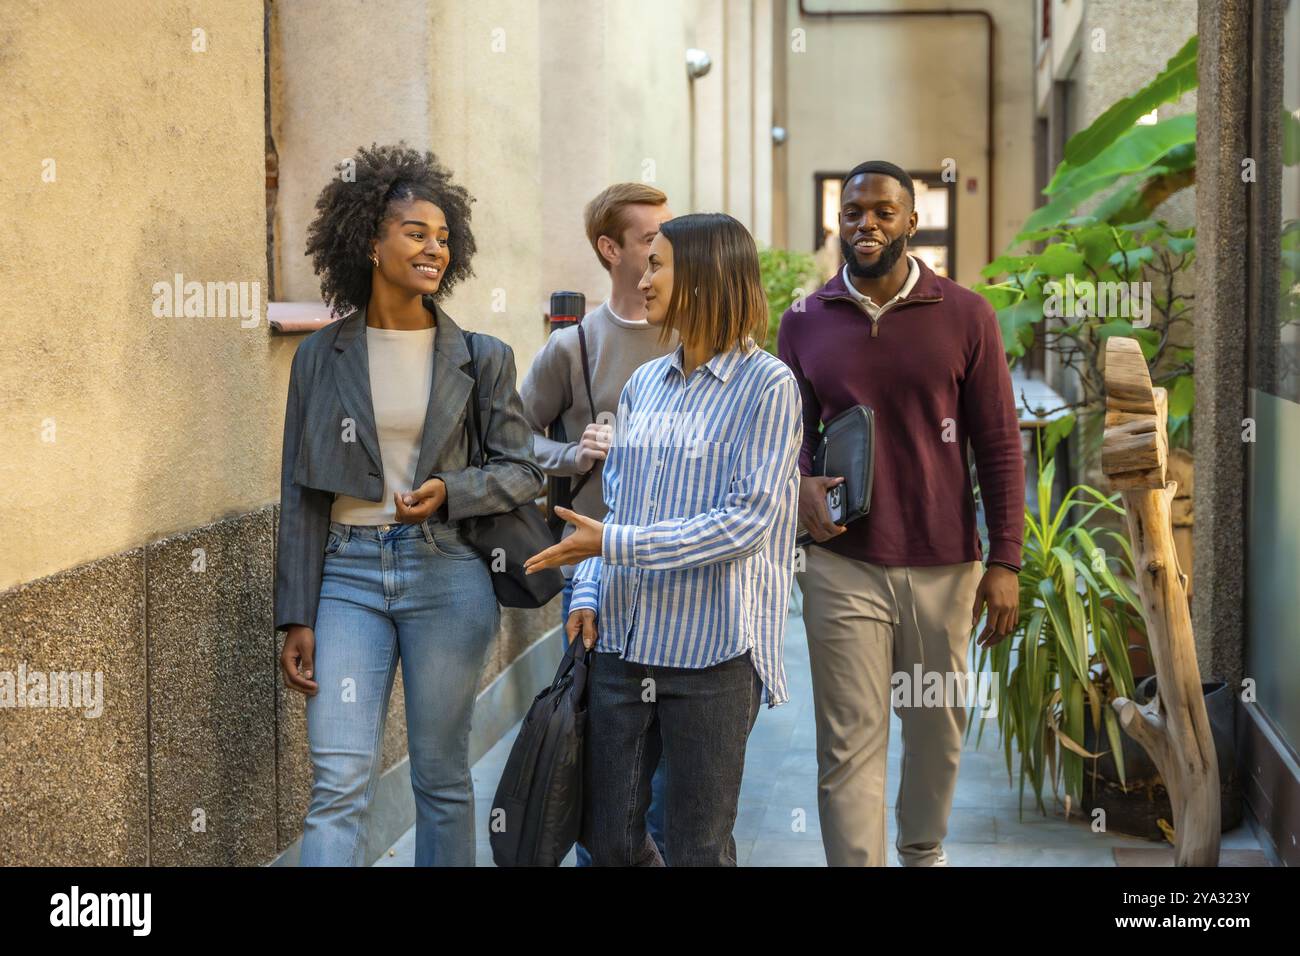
(413, 247)
(657, 282)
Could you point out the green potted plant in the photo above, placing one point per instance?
(786, 276)
(1068, 657)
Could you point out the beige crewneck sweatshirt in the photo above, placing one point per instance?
(554, 388)
(401, 374)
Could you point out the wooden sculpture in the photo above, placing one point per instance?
(1174, 727)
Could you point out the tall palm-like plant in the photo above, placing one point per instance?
(1068, 657)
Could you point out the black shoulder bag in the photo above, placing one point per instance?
(515, 535)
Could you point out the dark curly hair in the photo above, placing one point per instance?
(349, 214)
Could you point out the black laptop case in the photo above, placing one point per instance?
(848, 449)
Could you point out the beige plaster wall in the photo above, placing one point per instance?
(614, 108)
(911, 90)
(118, 427)
(121, 428)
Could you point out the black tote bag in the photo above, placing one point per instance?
(516, 535)
(537, 811)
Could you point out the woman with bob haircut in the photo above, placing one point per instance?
(375, 477)
(682, 590)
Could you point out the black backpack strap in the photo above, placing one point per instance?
(586, 367)
(591, 403)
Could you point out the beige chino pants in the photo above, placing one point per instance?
(865, 623)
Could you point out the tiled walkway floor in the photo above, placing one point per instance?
(781, 780)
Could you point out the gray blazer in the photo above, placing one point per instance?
(329, 382)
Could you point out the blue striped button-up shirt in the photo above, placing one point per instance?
(702, 487)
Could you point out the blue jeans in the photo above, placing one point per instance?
(654, 819)
(421, 594)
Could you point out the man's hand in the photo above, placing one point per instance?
(999, 590)
(583, 543)
(582, 621)
(415, 506)
(594, 445)
(813, 513)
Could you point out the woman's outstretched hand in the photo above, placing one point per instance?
(582, 544)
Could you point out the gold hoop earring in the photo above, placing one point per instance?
(374, 260)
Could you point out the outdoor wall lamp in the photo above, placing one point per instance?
(697, 63)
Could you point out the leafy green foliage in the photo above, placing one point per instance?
(1145, 164)
(1178, 77)
(1078, 291)
(787, 276)
(1127, 170)
(1142, 152)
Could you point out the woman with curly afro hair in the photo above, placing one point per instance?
(376, 475)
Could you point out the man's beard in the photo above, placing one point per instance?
(884, 262)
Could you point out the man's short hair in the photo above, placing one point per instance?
(606, 215)
(885, 169)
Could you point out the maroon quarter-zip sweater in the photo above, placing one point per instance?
(936, 376)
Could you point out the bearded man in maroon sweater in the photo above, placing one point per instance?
(892, 599)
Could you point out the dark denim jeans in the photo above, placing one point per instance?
(654, 819)
(699, 720)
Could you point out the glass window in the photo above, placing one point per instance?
(931, 206)
(1272, 428)
(936, 257)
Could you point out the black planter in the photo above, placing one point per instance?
(1135, 809)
